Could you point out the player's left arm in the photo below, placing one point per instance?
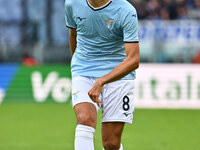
(129, 24)
(124, 68)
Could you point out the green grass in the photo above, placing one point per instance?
(51, 127)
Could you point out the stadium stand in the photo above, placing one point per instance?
(167, 9)
(39, 29)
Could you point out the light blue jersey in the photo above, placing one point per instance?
(101, 34)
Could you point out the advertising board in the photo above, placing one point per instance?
(168, 86)
(156, 85)
(35, 84)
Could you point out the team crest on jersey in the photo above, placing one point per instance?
(109, 22)
(75, 95)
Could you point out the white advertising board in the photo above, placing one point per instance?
(167, 86)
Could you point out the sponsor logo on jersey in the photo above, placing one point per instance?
(127, 114)
(81, 18)
(134, 15)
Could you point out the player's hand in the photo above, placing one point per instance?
(95, 92)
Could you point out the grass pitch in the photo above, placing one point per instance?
(50, 126)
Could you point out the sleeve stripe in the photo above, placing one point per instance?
(70, 27)
(131, 41)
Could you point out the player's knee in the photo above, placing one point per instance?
(86, 119)
(111, 145)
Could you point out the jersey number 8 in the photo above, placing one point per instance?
(126, 101)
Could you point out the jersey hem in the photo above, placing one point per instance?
(124, 78)
(70, 27)
(131, 41)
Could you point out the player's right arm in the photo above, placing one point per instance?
(71, 24)
(72, 40)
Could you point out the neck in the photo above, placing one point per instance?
(97, 3)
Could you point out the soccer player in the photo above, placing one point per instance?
(103, 39)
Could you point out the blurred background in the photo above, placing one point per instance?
(169, 31)
(35, 79)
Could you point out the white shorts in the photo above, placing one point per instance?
(117, 98)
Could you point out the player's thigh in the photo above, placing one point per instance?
(80, 87)
(112, 133)
(85, 108)
(86, 114)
